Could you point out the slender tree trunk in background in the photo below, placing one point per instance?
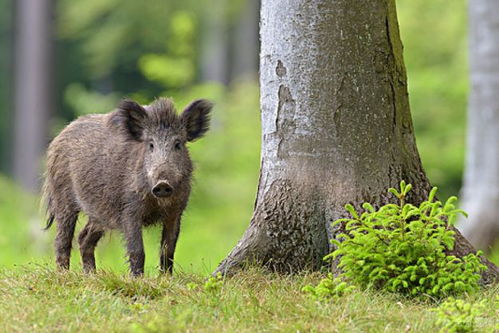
(33, 82)
(245, 42)
(481, 179)
(6, 74)
(215, 44)
(336, 127)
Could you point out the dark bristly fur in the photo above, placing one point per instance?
(125, 170)
(130, 115)
(199, 120)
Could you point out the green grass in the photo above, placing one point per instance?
(35, 298)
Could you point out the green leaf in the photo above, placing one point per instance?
(407, 189)
(432, 194)
(352, 210)
(368, 207)
(394, 192)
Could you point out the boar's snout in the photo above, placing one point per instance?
(162, 189)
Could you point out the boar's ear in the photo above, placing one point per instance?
(131, 117)
(196, 118)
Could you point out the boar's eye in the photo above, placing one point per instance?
(178, 145)
(151, 146)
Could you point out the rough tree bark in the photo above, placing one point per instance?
(336, 127)
(481, 180)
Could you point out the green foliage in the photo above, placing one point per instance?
(77, 97)
(402, 248)
(176, 67)
(458, 316)
(109, 33)
(214, 283)
(329, 288)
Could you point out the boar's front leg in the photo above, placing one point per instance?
(171, 228)
(135, 246)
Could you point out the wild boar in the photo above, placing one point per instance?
(125, 170)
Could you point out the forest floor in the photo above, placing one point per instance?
(36, 298)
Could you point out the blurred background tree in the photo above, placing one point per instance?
(6, 75)
(481, 180)
(107, 49)
(33, 87)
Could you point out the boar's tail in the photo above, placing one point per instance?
(46, 197)
(50, 220)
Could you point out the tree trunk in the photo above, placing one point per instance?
(6, 74)
(33, 83)
(336, 126)
(245, 42)
(215, 44)
(32, 98)
(481, 179)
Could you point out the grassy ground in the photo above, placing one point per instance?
(35, 298)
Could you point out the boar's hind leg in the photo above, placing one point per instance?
(168, 243)
(135, 247)
(88, 239)
(64, 238)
